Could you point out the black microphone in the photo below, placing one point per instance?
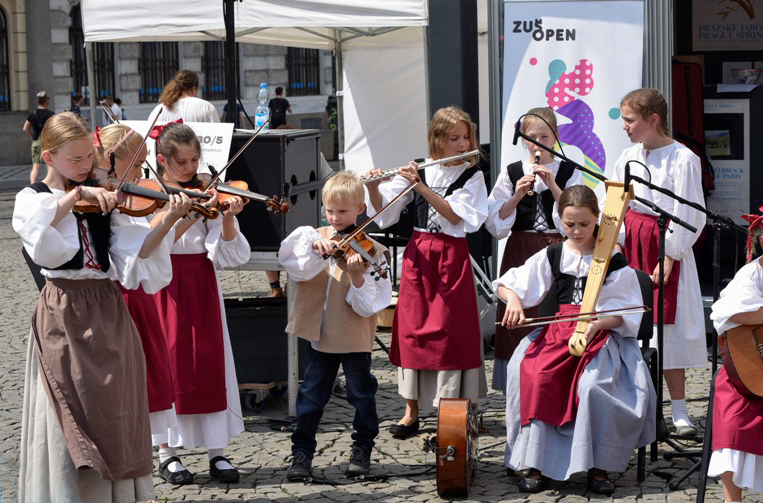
(516, 132)
(627, 177)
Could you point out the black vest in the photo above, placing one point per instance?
(565, 283)
(421, 205)
(100, 230)
(526, 207)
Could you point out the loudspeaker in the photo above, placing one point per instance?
(257, 329)
(273, 164)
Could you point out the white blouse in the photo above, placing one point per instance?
(468, 202)
(191, 109)
(673, 167)
(205, 236)
(744, 294)
(302, 263)
(503, 190)
(533, 280)
(52, 246)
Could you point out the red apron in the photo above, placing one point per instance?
(737, 420)
(642, 243)
(436, 324)
(189, 310)
(549, 374)
(142, 308)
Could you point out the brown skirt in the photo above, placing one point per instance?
(520, 246)
(93, 371)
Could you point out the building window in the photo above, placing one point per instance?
(5, 67)
(304, 71)
(158, 63)
(213, 64)
(103, 60)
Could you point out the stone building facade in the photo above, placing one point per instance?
(44, 52)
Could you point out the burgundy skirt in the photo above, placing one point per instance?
(549, 374)
(737, 419)
(142, 308)
(642, 243)
(436, 324)
(520, 246)
(189, 310)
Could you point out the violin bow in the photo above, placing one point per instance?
(137, 152)
(243, 147)
(593, 315)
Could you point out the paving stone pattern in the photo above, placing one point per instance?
(262, 454)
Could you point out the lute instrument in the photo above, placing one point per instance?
(742, 353)
(457, 443)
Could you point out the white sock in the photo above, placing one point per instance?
(220, 464)
(166, 453)
(680, 413)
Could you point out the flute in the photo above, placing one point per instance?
(384, 175)
(537, 161)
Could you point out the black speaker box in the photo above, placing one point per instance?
(273, 164)
(257, 328)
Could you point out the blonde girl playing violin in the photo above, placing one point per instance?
(192, 315)
(85, 426)
(567, 414)
(121, 142)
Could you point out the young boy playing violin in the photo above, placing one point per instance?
(335, 308)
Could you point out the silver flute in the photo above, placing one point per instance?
(384, 175)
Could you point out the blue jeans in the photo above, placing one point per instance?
(320, 373)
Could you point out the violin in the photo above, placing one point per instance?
(233, 188)
(139, 199)
(357, 242)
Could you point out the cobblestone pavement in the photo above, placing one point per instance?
(262, 453)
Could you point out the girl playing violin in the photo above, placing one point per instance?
(676, 168)
(738, 417)
(567, 414)
(192, 314)
(522, 205)
(123, 142)
(85, 426)
(437, 348)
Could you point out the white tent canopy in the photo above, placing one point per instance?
(383, 80)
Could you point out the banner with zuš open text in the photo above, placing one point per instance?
(579, 58)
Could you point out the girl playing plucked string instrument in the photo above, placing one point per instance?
(568, 414)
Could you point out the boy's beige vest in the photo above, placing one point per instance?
(344, 331)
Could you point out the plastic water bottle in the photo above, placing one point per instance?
(262, 112)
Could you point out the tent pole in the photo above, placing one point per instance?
(496, 105)
(339, 96)
(91, 84)
(231, 63)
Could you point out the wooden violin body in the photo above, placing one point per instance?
(359, 243)
(742, 353)
(457, 444)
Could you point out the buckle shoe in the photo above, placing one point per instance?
(180, 478)
(227, 476)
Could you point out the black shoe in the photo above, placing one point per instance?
(180, 478)
(301, 466)
(227, 476)
(403, 431)
(360, 463)
(601, 486)
(532, 485)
